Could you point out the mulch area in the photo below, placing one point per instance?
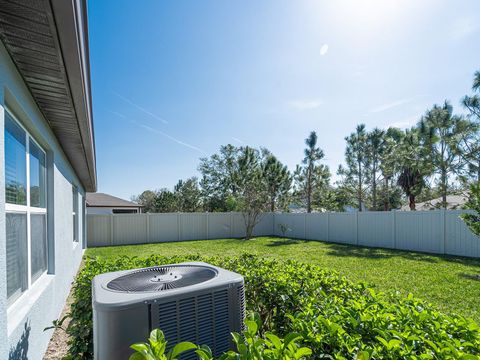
(58, 347)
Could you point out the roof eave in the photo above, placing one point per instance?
(70, 19)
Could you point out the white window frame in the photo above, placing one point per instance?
(27, 209)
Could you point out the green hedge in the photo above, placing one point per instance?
(337, 318)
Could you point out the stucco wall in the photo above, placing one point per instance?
(23, 322)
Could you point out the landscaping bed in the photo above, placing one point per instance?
(448, 282)
(336, 317)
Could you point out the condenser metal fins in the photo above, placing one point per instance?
(194, 302)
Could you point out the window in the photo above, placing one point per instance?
(75, 212)
(124, 211)
(26, 213)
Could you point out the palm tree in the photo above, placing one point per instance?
(414, 167)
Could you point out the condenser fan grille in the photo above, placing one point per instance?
(161, 278)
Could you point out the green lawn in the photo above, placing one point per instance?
(447, 282)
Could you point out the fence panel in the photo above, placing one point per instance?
(420, 230)
(376, 229)
(316, 226)
(130, 229)
(163, 227)
(343, 228)
(238, 225)
(459, 240)
(436, 231)
(193, 226)
(265, 225)
(219, 225)
(99, 230)
(293, 223)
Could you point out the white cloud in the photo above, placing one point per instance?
(117, 114)
(463, 27)
(141, 108)
(238, 140)
(390, 105)
(324, 49)
(164, 134)
(305, 104)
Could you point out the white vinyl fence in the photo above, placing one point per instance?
(437, 231)
(123, 229)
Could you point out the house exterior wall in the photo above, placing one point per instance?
(22, 322)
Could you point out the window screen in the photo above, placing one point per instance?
(37, 176)
(17, 256)
(25, 206)
(15, 163)
(38, 229)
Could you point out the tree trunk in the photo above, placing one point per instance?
(374, 191)
(272, 204)
(249, 231)
(478, 173)
(386, 204)
(444, 188)
(309, 205)
(411, 199)
(359, 186)
(309, 188)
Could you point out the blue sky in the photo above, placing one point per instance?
(174, 80)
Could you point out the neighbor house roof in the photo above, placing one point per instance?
(453, 202)
(106, 200)
(48, 42)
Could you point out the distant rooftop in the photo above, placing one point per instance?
(453, 202)
(106, 200)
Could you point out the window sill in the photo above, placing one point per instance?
(22, 306)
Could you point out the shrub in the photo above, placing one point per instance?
(249, 346)
(336, 318)
(473, 219)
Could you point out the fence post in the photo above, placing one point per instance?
(231, 224)
(178, 226)
(208, 235)
(305, 226)
(148, 227)
(444, 230)
(111, 229)
(356, 227)
(394, 228)
(273, 224)
(328, 226)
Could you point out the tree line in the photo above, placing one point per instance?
(383, 169)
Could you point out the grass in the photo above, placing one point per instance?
(450, 283)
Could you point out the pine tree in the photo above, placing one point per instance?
(375, 143)
(307, 175)
(469, 146)
(442, 131)
(356, 159)
(278, 181)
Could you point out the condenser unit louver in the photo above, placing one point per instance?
(194, 302)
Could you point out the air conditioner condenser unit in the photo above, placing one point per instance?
(191, 301)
